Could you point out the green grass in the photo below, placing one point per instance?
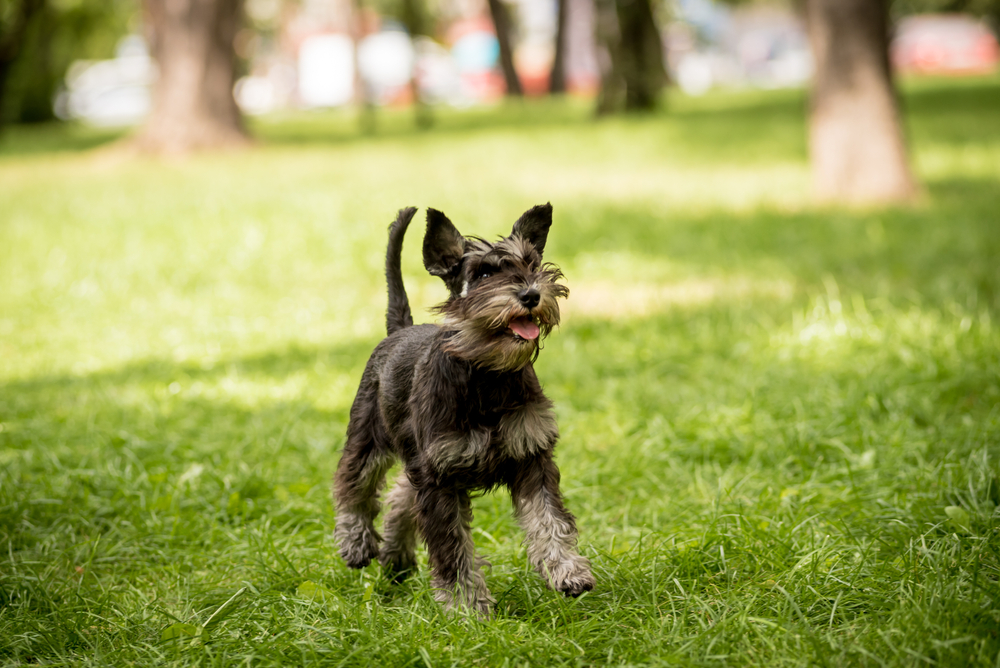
(780, 423)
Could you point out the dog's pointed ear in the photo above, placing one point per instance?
(533, 226)
(443, 245)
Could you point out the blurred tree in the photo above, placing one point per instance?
(630, 56)
(611, 95)
(557, 76)
(415, 20)
(856, 143)
(192, 42)
(39, 39)
(642, 55)
(987, 9)
(15, 18)
(502, 25)
(362, 99)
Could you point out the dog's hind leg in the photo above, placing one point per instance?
(445, 517)
(398, 555)
(360, 475)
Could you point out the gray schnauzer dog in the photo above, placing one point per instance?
(459, 403)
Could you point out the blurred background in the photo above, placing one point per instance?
(776, 376)
(189, 71)
(90, 60)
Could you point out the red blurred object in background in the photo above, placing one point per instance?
(944, 44)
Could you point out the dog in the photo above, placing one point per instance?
(459, 403)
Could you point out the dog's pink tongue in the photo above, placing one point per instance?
(524, 328)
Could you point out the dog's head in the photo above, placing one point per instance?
(503, 298)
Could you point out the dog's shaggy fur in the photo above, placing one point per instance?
(460, 404)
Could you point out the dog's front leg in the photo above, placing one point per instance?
(550, 530)
(445, 516)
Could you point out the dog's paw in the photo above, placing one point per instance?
(358, 556)
(578, 584)
(573, 577)
(358, 544)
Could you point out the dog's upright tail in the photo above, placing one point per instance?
(397, 315)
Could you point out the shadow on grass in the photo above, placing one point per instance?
(164, 415)
(112, 449)
(320, 128)
(953, 111)
(939, 110)
(918, 252)
(42, 138)
(342, 127)
(336, 359)
(948, 110)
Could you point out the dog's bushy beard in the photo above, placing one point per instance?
(480, 322)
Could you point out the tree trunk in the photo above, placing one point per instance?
(363, 101)
(611, 96)
(12, 38)
(630, 55)
(642, 55)
(557, 77)
(501, 23)
(193, 104)
(857, 148)
(415, 22)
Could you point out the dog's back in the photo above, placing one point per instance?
(390, 374)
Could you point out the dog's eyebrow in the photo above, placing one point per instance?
(477, 245)
(496, 256)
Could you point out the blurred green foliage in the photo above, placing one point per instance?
(63, 31)
(989, 9)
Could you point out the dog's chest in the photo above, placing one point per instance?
(492, 445)
(480, 423)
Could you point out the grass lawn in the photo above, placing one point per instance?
(780, 422)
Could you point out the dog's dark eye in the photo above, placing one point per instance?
(485, 271)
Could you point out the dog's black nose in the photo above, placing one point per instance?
(529, 297)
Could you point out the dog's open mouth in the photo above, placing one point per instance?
(523, 327)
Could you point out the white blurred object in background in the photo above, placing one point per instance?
(385, 60)
(694, 73)
(109, 92)
(326, 71)
(713, 45)
(272, 87)
(437, 74)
